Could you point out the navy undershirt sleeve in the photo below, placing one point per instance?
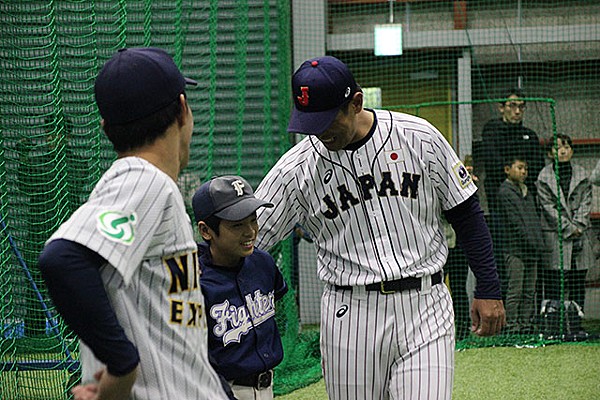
(473, 236)
(72, 276)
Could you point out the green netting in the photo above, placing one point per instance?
(459, 58)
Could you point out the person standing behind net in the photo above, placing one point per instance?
(502, 138)
(370, 187)
(241, 285)
(574, 193)
(123, 269)
(521, 222)
(505, 137)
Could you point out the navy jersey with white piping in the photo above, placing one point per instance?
(240, 303)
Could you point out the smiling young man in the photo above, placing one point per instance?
(370, 186)
(240, 285)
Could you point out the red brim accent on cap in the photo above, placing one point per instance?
(311, 123)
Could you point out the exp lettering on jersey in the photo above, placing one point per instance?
(184, 271)
(385, 187)
(233, 322)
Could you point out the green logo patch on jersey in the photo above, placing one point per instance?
(117, 226)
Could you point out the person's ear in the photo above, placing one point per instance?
(185, 110)
(357, 102)
(204, 230)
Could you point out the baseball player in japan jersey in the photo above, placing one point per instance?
(123, 270)
(370, 187)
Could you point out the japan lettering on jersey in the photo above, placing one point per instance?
(373, 209)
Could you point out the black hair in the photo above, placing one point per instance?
(513, 158)
(512, 92)
(565, 138)
(213, 222)
(133, 135)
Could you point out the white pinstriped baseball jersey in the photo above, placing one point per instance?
(135, 218)
(373, 211)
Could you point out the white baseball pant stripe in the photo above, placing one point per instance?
(387, 346)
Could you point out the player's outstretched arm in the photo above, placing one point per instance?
(107, 387)
(487, 316)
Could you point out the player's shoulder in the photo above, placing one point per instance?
(261, 256)
(297, 161)
(410, 124)
(135, 175)
(492, 126)
(132, 168)
(506, 187)
(547, 173)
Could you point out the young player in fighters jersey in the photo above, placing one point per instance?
(123, 270)
(370, 187)
(240, 284)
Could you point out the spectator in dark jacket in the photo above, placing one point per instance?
(522, 232)
(502, 138)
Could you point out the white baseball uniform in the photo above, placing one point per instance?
(135, 218)
(374, 212)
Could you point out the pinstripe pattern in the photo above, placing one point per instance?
(409, 356)
(374, 213)
(163, 316)
(381, 237)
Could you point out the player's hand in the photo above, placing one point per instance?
(106, 387)
(488, 317)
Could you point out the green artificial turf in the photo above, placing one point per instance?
(556, 372)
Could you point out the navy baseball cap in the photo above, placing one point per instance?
(228, 197)
(137, 82)
(320, 87)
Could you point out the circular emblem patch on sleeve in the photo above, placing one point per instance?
(464, 178)
(117, 226)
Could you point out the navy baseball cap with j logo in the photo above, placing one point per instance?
(228, 197)
(320, 87)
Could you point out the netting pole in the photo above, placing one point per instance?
(212, 85)
(267, 140)
(241, 33)
(561, 261)
(147, 23)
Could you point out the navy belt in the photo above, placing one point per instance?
(257, 381)
(399, 285)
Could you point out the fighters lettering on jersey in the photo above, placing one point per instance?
(233, 322)
(387, 187)
(184, 271)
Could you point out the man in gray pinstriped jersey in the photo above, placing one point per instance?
(370, 187)
(123, 270)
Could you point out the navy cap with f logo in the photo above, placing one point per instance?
(228, 197)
